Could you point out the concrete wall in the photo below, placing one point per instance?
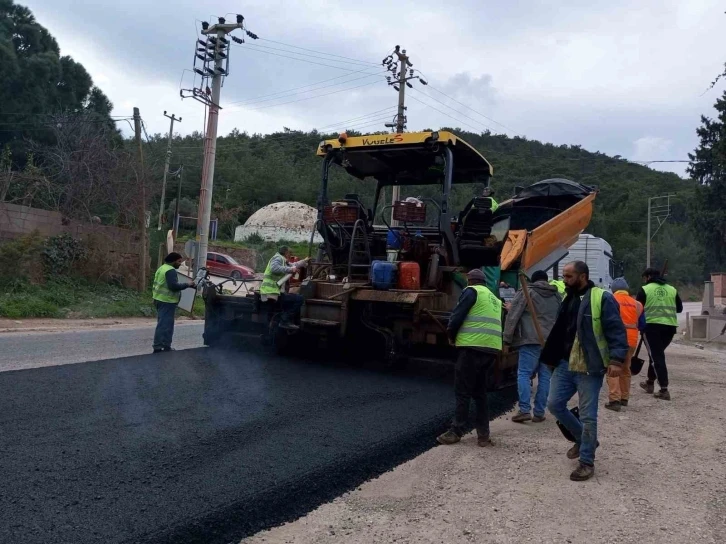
(113, 252)
(719, 287)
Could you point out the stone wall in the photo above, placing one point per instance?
(113, 252)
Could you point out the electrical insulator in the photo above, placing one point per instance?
(409, 85)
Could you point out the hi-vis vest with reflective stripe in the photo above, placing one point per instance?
(161, 291)
(482, 327)
(560, 285)
(660, 304)
(596, 295)
(269, 281)
(630, 310)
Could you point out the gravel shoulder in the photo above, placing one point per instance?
(661, 477)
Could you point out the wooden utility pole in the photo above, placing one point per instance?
(142, 220)
(166, 164)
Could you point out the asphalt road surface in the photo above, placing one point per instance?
(200, 445)
(20, 350)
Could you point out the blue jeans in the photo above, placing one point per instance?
(164, 324)
(528, 366)
(587, 386)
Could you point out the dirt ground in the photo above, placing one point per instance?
(660, 477)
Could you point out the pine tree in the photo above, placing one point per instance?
(708, 168)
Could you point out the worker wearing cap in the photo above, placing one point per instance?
(166, 294)
(475, 328)
(631, 312)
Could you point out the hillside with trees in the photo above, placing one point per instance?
(60, 150)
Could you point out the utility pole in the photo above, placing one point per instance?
(402, 70)
(166, 164)
(660, 208)
(142, 220)
(180, 175)
(213, 52)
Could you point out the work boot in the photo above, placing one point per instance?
(448, 438)
(574, 452)
(623, 402)
(647, 386)
(663, 394)
(582, 473)
(538, 419)
(614, 405)
(169, 349)
(484, 442)
(521, 417)
(157, 350)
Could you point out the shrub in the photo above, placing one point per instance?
(62, 252)
(20, 259)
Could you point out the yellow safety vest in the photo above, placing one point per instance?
(482, 327)
(560, 285)
(269, 281)
(660, 304)
(161, 291)
(596, 295)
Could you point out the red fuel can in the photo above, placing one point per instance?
(409, 276)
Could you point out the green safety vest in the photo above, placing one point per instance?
(269, 281)
(482, 327)
(161, 292)
(560, 285)
(660, 304)
(495, 205)
(596, 295)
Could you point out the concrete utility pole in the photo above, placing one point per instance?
(661, 210)
(402, 70)
(216, 50)
(142, 220)
(166, 163)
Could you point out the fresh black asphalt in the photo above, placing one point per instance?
(200, 445)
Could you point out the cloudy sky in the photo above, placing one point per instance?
(621, 77)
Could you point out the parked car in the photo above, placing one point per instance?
(219, 264)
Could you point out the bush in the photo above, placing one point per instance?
(62, 252)
(20, 259)
(254, 239)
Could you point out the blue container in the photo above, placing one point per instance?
(383, 275)
(394, 240)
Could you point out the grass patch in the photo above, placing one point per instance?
(78, 299)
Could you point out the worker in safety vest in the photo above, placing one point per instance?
(661, 303)
(560, 286)
(488, 192)
(277, 269)
(631, 312)
(475, 328)
(166, 294)
(588, 339)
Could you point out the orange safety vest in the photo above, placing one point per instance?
(630, 310)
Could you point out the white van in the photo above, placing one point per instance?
(598, 255)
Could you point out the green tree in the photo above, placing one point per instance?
(708, 168)
(37, 81)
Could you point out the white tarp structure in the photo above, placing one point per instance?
(292, 221)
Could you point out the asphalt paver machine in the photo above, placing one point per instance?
(378, 289)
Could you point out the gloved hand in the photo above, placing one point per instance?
(303, 263)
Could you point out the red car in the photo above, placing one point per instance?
(219, 264)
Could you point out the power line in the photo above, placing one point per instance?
(447, 114)
(319, 52)
(293, 58)
(313, 97)
(308, 91)
(296, 88)
(453, 109)
(472, 109)
(264, 47)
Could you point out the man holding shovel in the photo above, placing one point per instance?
(532, 315)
